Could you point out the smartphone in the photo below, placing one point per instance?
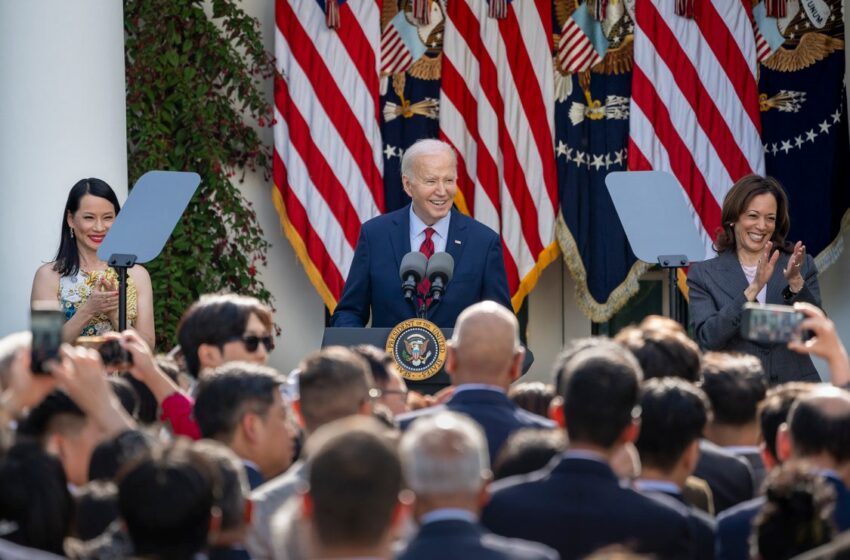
(771, 324)
(46, 322)
(114, 356)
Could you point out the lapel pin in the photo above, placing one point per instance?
(457, 241)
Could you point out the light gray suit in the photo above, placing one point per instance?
(716, 298)
(268, 499)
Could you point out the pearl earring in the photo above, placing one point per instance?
(72, 233)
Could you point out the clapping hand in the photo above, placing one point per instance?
(792, 272)
(764, 270)
(103, 299)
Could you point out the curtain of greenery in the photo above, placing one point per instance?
(194, 73)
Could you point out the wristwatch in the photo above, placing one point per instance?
(787, 294)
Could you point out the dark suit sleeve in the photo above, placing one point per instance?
(811, 289)
(495, 279)
(713, 327)
(353, 307)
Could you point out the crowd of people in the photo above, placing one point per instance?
(641, 446)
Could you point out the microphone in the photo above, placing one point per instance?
(441, 267)
(412, 270)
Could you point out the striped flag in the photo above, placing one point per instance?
(582, 43)
(400, 45)
(768, 37)
(694, 108)
(497, 110)
(328, 159)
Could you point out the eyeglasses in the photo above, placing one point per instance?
(378, 393)
(252, 342)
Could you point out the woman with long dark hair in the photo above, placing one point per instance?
(754, 263)
(85, 285)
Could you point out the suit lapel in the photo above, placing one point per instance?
(400, 234)
(730, 275)
(776, 283)
(458, 231)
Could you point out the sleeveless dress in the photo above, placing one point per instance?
(75, 290)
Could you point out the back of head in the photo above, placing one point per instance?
(533, 396)
(797, 515)
(379, 363)
(97, 508)
(485, 344)
(112, 455)
(355, 479)
(819, 423)
(234, 484)
(334, 383)
(166, 501)
(216, 320)
(673, 415)
(35, 505)
(663, 350)
(527, 450)
(56, 413)
(600, 386)
(10, 345)
(444, 454)
(126, 394)
(773, 411)
(735, 385)
(231, 390)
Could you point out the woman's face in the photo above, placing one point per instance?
(91, 221)
(755, 226)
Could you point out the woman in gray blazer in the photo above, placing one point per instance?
(754, 264)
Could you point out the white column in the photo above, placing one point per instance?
(62, 118)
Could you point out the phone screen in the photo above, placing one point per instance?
(773, 324)
(46, 326)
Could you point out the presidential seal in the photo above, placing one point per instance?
(418, 348)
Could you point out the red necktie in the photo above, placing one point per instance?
(427, 249)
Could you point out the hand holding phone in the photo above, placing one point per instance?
(46, 322)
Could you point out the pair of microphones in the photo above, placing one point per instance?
(415, 267)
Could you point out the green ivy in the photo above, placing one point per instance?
(193, 95)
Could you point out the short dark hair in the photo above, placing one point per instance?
(736, 202)
(528, 450)
(97, 508)
(355, 479)
(234, 483)
(571, 349)
(67, 261)
(379, 362)
(662, 351)
(231, 390)
(333, 383)
(797, 514)
(815, 430)
(55, 413)
(735, 385)
(112, 455)
(600, 391)
(34, 496)
(166, 501)
(215, 320)
(126, 394)
(533, 396)
(773, 410)
(673, 416)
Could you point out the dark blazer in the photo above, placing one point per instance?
(461, 540)
(373, 280)
(577, 506)
(703, 526)
(715, 301)
(227, 553)
(729, 477)
(255, 477)
(493, 411)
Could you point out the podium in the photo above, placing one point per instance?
(351, 336)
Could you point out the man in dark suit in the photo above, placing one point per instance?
(483, 358)
(429, 225)
(673, 415)
(576, 505)
(445, 463)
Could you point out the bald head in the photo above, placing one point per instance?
(485, 347)
(819, 423)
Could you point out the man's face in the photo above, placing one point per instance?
(276, 439)
(432, 184)
(238, 351)
(394, 395)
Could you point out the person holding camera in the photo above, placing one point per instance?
(86, 287)
(754, 263)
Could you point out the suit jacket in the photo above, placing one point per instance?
(492, 410)
(735, 525)
(461, 540)
(729, 477)
(373, 280)
(577, 506)
(703, 526)
(267, 499)
(716, 298)
(255, 477)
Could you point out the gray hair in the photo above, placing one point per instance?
(444, 453)
(421, 148)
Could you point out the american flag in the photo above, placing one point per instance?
(577, 52)
(497, 110)
(328, 161)
(694, 108)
